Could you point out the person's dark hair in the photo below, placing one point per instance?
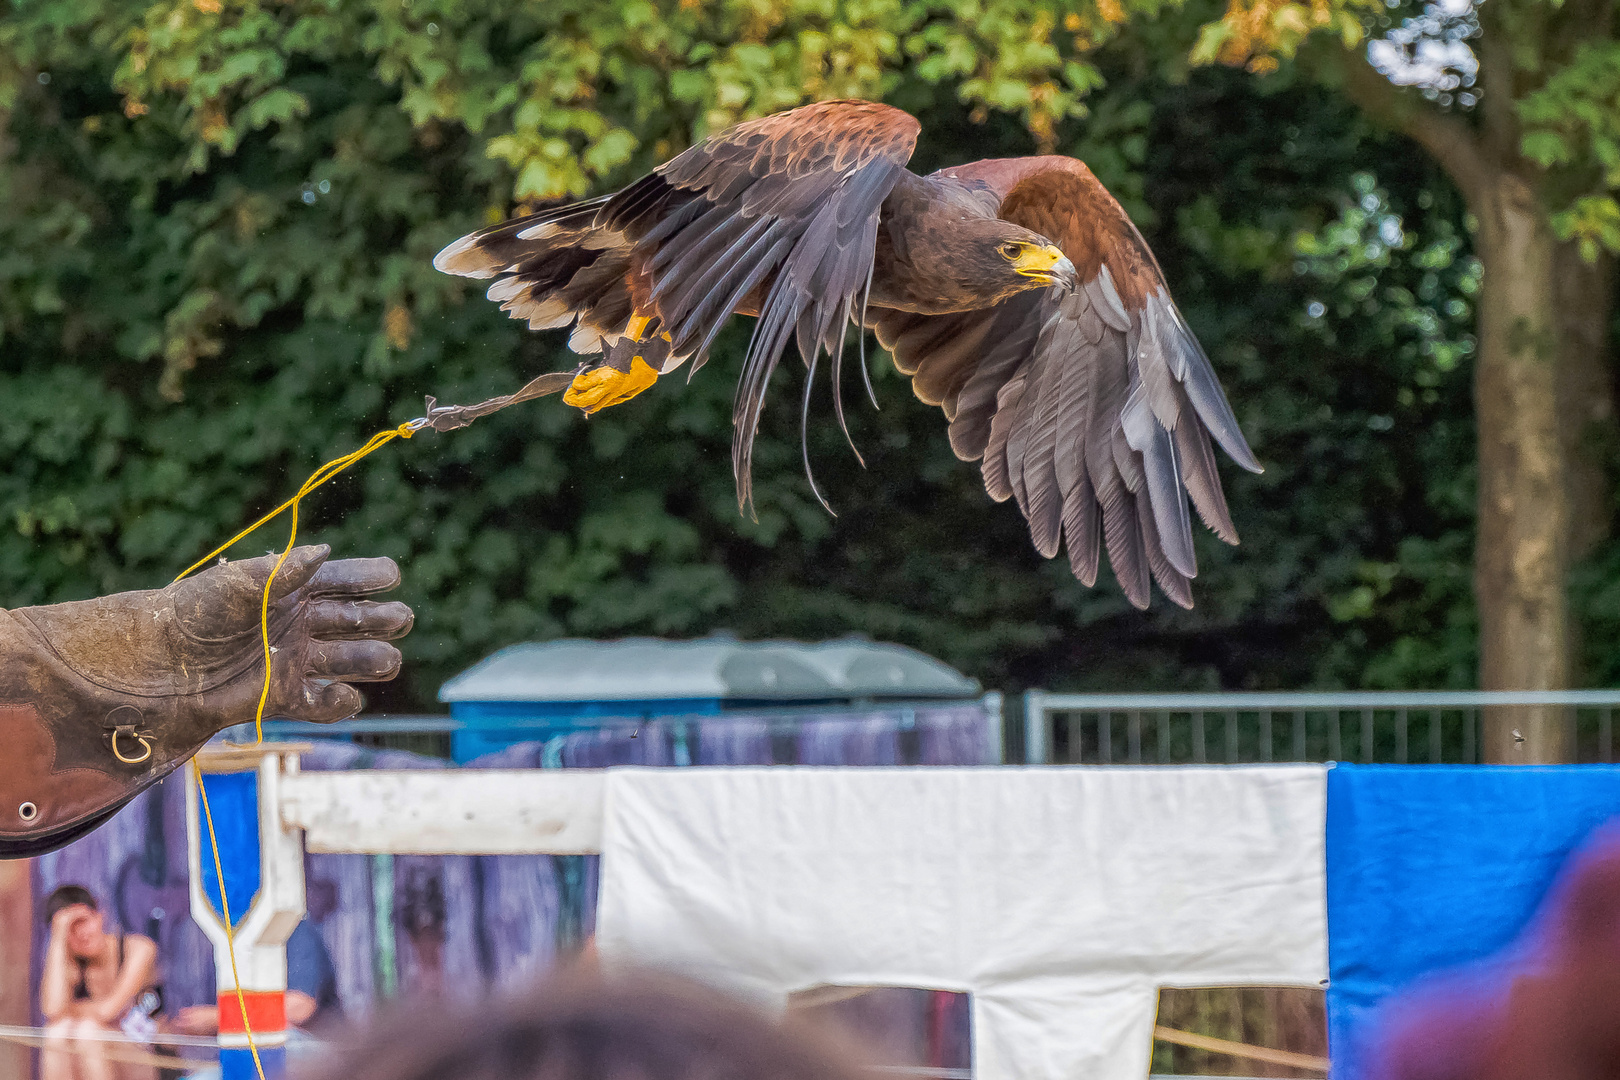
(67, 896)
(584, 1027)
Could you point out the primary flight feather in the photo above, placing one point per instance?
(1015, 293)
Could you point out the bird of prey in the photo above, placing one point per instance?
(1016, 294)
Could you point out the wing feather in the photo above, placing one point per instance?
(1155, 449)
(1172, 582)
(1203, 481)
(995, 467)
(1013, 329)
(1022, 429)
(1043, 494)
(1073, 418)
(1080, 530)
(1122, 536)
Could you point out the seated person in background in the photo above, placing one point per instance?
(581, 1026)
(312, 997)
(88, 991)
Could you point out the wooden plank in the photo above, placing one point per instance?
(453, 812)
(1240, 1050)
(240, 757)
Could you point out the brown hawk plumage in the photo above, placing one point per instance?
(1016, 294)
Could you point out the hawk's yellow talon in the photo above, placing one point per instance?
(636, 327)
(601, 387)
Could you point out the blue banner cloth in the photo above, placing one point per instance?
(1430, 867)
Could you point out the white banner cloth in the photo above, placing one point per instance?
(1060, 898)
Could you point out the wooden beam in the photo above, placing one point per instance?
(1240, 1050)
(244, 757)
(460, 812)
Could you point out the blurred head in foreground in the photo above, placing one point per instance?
(1548, 1009)
(586, 1026)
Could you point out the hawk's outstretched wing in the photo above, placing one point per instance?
(1092, 408)
(776, 216)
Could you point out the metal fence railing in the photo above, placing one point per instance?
(1399, 727)
(432, 735)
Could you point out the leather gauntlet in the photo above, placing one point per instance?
(100, 699)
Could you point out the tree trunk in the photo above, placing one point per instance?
(1585, 293)
(1522, 549)
(1543, 391)
(1585, 391)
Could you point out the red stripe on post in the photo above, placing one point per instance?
(266, 1011)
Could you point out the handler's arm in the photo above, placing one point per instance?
(140, 960)
(56, 983)
(100, 699)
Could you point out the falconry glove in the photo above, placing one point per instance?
(100, 699)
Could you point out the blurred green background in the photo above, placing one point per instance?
(216, 224)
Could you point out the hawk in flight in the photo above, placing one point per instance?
(1015, 293)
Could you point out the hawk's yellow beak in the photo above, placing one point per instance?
(1045, 264)
(603, 386)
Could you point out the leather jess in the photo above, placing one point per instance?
(100, 699)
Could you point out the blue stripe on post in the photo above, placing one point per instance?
(234, 800)
(236, 1063)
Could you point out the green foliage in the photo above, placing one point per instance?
(1412, 296)
(1572, 123)
(571, 91)
(1559, 70)
(216, 227)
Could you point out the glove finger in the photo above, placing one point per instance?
(355, 577)
(353, 661)
(302, 564)
(224, 600)
(325, 703)
(354, 620)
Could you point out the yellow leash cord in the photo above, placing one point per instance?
(316, 479)
(439, 418)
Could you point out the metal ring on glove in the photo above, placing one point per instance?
(146, 745)
(28, 812)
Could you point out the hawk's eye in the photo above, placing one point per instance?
(1009, 250)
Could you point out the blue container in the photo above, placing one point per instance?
(540, 690)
